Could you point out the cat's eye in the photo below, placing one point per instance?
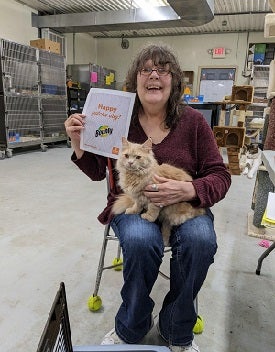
(138, 157)
(126, 156)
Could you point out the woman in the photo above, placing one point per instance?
(182, 137)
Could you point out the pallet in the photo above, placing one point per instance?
(259, 232)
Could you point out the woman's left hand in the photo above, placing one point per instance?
(166, 191)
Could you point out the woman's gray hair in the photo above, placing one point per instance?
(160, 56)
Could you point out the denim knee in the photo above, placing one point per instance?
(197, 235)
(137, 235)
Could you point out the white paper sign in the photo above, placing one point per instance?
(270, 208)
(215, 90)
(108, 114)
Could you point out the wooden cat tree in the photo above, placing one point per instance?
(232, 137)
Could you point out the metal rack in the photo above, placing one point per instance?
(33, 100)
(260, 79)
(92, 76)
(53, 96)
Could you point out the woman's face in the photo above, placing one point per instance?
(154, 88)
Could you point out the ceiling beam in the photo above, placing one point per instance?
(200, 8)
(133, 19)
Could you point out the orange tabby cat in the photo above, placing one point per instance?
(137, 166)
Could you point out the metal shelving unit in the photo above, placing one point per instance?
(92, 76)
(33, 99)
(259, 79)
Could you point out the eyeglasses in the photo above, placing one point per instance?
(161, 71)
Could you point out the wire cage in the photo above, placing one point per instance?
(33, 97)
(19, 68)
(54, 113)
(52, 73)
(23, 119)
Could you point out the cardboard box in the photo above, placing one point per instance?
(46, 44)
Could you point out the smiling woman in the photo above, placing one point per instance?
(158, 68)
(154, 88)
(179, 136)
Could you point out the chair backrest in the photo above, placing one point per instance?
(56, 336)
(110, 176)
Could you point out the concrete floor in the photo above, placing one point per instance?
(49, 233)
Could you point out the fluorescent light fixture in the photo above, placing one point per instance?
(152, 10)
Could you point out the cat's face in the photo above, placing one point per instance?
(135, 157)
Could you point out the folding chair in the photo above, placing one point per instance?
(56, 336)
(95, 301)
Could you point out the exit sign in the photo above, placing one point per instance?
(218, 53)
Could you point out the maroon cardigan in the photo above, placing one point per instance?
(191, 146)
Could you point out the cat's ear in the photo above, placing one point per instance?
(124, 142)
(148, 144)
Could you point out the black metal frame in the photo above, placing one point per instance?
(56, 336)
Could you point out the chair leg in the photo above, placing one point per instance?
(264, 255)
(94, 301)
(118, 251)
(196, 304)
(101, 260)
(117, 262)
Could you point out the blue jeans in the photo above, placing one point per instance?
(193, 246)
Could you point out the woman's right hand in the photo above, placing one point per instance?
(74, 124)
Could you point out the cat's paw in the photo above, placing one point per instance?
(245, 171)
(148, 217)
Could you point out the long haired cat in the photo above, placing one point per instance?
(137, 166)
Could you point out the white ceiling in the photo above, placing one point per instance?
(229, 16)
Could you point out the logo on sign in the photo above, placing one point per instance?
(103, 131)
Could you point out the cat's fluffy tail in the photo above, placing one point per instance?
(122, 203)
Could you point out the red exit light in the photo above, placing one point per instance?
(218, 53)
